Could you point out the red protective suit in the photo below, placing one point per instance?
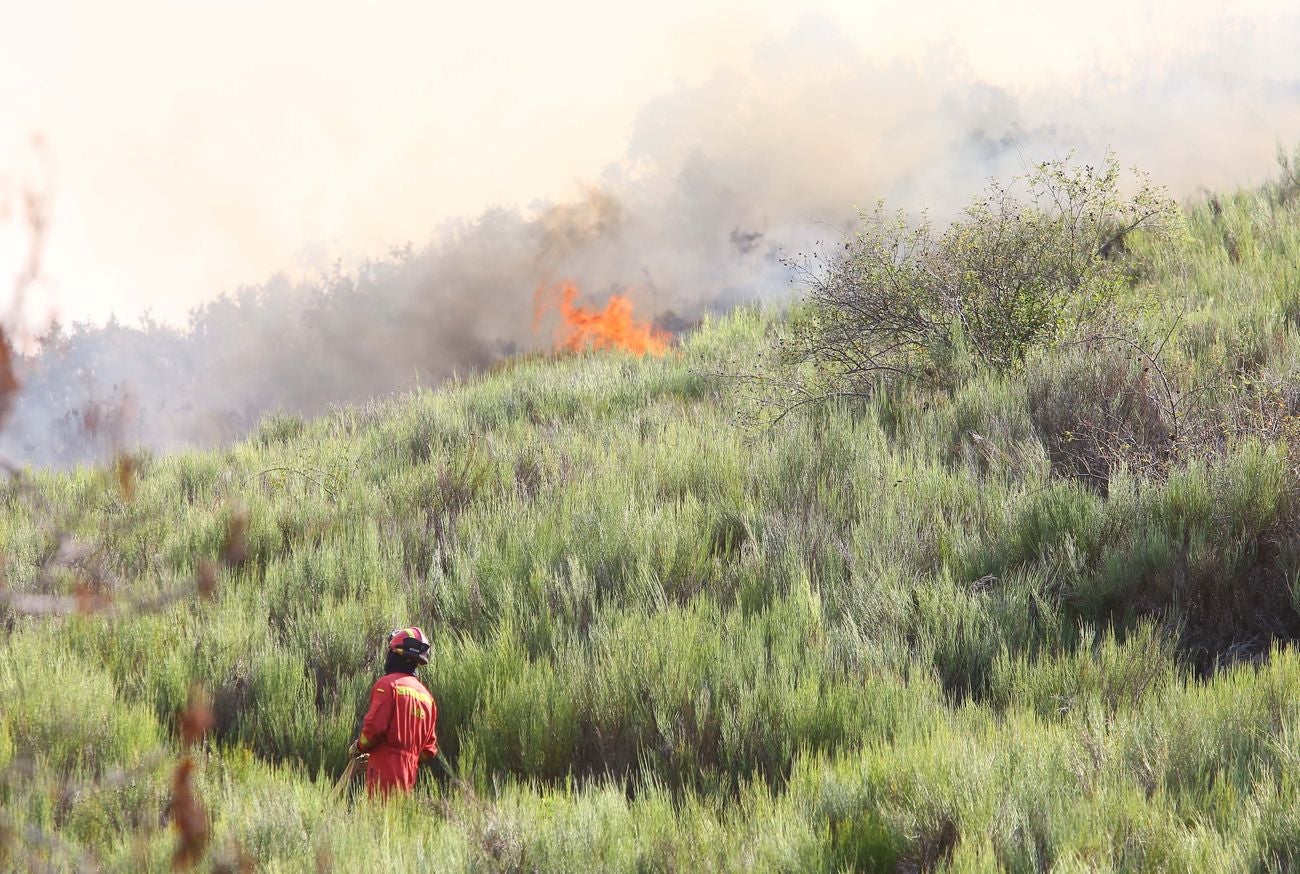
(398, 732)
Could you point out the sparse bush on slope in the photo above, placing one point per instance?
(1098, 411)
(1008, 277)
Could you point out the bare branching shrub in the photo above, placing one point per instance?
(1265, 407)
(1287, 186)
(1011, 275)
(1110, 402)
(1102, 409)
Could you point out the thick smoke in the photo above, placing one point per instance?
(719, 182)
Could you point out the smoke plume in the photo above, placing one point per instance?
(719, 182)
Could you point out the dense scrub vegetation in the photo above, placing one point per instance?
(1018, 271)
(1026, 616)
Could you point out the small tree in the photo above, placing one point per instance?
(1008, 276)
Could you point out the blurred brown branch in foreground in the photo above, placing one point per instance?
(36, 207)
(74, 576)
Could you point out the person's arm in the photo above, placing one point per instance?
(430, 750)
(375, 724)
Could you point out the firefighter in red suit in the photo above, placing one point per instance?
(398, 731)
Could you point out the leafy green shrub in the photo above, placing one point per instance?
(1008, 277)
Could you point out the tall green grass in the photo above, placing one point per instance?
(891, 635)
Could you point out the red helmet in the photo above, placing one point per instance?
(411, 643)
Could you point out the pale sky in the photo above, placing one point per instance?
(197, 146)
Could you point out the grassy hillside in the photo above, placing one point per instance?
(897, 634)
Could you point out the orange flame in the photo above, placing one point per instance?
(610, 328)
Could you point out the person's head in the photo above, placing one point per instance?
(408, 648)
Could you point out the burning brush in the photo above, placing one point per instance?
(610, 328)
